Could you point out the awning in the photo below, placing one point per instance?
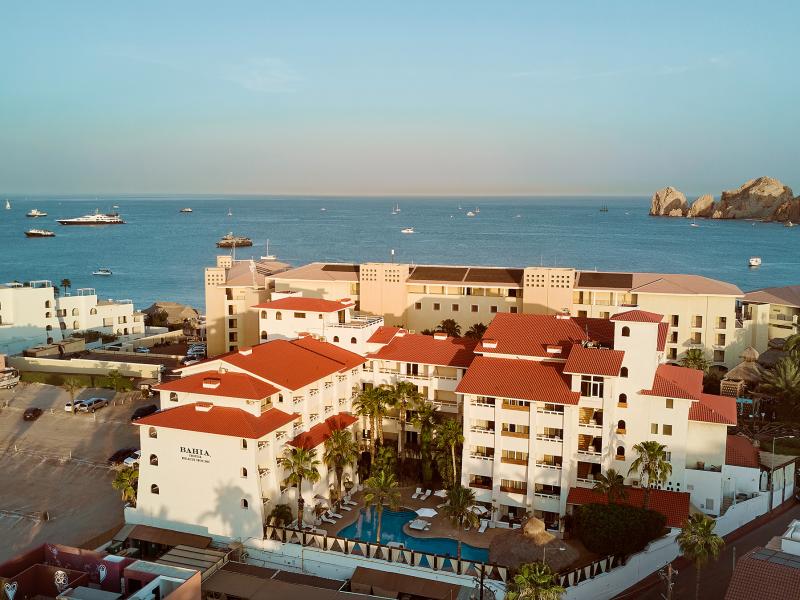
(168, 537)
(392, 585)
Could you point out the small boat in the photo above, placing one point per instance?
(96, 219)
(788, 224)
(186, 210)
(234, 241)
(35, 212)
(323, 209)
(517, 216)
(230, 212)
(603, 208)
(269, 256)
(694, 223)
(477, 210)
(8, 204)
(39, 233)
(459, 206)
(470, 213)
(754, 261)
(396, 209)
(407, 230)
(103, 272)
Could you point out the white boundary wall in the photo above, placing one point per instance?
(82, 366)
(742, 513)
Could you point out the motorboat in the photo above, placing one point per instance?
(234, 241)
(35, 212)
(230, 212)
(39, 233)
(103, 272)
(97, 218)
(788, 224)
(8, 204)
(754, 261)
(323, 209)
(470, 213)
(477, 210)
(407, 230)
(186, 210)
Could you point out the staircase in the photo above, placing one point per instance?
(726, 504)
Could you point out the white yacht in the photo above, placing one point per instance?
(470, 213)
(35, 212)
(186, 210)
(8, 204)
(104, 272)
(407, 230)
(97, 218)
(755, 261)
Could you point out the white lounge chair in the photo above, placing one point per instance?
(484, 525)
(345, 507)
(349, 501)
(426, 495)
(417, 494)
(442, 505)
(325, 519)
(332, 515)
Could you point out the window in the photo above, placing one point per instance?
(47, 304)
(474, 308)
(335, 339)
(299, 315)
(672, 353)
(278, 316)
(709, 504)
(49, 328)
(92, 311)
(64, 325)
(605, 314)
(233, 324)
(417, 305)
(353, 340)
(670, 403)
(264, 335)
(232, 337)
(666, 430)
(654, 428)
(719, 355)
(623, 372)
(263, 314)
(319, 316)
(152, 432)
(673, 337)
(154, 460)
(626, 331)
(668, 458)
(244, 444)
(173, 397)
(722, 322)
(591, 386)
(280, 397)
(435, 306)
(244, 472)
(154, 489)
(454, 307)
(620, 453)
(674, 320)
(697, 321)
(245, 504)
(720, 339)
(75, 325)
(230, 310)
(621, 426)
(493, 309)
(623, 400)
(513, 310)
(75, 312)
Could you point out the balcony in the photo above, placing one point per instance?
(280, 435)
(481, 484)
(514, 461)
(297, 400)
(481, 429)
(521, 407)
(359, 322)
(479, 456)
(483, 402)
(511, 489)
(515, 434)
(547, 465)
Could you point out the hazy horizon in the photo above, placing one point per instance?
(521, 99)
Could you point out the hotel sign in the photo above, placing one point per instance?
(194, 455)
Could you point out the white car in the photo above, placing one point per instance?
(133, 459)
(68, 407)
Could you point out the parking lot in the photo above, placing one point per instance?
(58, 464)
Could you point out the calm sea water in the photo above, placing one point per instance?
(160, 253)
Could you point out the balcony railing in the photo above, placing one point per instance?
(514, 490)
(545, 465)
(550, 412)
(509, 406)
(546, 495)
(515, 434)
(481, 456)
(514, 461)
(591, 423)
(479, 429)
(549, 438)
(479, 403)
(358, 322)
(480, 484)
(589, 451)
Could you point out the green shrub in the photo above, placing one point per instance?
(101, 381)
(616, 528)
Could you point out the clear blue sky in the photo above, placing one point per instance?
(397, 97)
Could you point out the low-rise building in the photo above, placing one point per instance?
(771, 313)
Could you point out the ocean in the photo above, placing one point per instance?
(160, 253)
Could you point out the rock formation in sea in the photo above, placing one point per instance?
(703, 207)
(669, 202)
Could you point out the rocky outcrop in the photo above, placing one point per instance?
(669, 202)
(763, 198)
(703, 207)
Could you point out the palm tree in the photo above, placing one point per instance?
(449, 435)
(534, 581)
(695, 358)
(281, 514)
(126, 482)
(341, 450)
(402, 394)
(365, 405)
(383, 401)
(460, 501)
(115, 378)
(385, 460)
(612, 484)
(699, 543)
(450, 327)
(381, 489)
(792, 345)
(71, 385)
(651, 464)
(783, 382)
(301, 464)
(66, 284)
(476, 331)
(424, 419)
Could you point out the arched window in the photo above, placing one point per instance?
(626, 331)
(173, 397)
(75, 325)
(154, 460)
(335, 339)
(49, 328)
(620, 453)
(154, 489)
(244, 444)
(263, 335)
(623, 399)
(623, 372)
(244, 472)
(75, 312)
(621, 426)
(352, 340)
(245, 503)
(263, 314)
(278, 316)
(49, 340)
(63, 325)
(47, 304)
(153, 433)
(92, 311)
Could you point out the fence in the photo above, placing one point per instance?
(78, 366)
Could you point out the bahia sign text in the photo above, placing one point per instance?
(195, 454)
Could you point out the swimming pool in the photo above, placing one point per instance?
(392, 531)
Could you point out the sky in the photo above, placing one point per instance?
(617, 98)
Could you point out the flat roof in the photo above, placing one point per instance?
(318, 271)
(656, 283)
(500, 276)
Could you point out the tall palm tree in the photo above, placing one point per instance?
(71, 385)
(366, 405)
(450, 327)
(424, 419)
(792, 345)
(476, 331)
(383, 401)
(341, 450)
(402, 394)
(460, 501)
(699, 543)
(534, 581)
(783, 382)
(126, 482)
(282, 514)
(612, 484)
(301, 464)
(651, 464)
(449, 435)
(695, 358)
(385, 460)
(66, 284)
(381, 489)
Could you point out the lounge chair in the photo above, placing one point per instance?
(344, 506)
(484, 525)
(349, 501)
(325, 519)
(442, 505)
(316, 531)
(417, 494)
(332, 515)
(426, 495)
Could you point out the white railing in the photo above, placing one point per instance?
(549, 412)
(548, 466)
(547, 438)
(548, 496)
(589, 452)
(589, 424)
(485, 404)
(481, 456)
(476, 429)
(358, 323)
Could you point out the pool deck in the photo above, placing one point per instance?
(441, 527)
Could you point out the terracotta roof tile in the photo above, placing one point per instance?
(383, 334)
(307, 304)
(638, 316)
(530, 335)
(764, 574)
(322, 431)
(594, 361)
(663, 329)
(425, 349)
(219, 420)
(598, 330)
(520, 379)
(671, 381)
(214, 383)
(740, 452)
(673, 505)
(714, 409)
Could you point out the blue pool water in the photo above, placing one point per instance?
(392, 531)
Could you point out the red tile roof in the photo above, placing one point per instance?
(520, 379)
(598, 330)
(530, 335)
(307, 304)
(219, 420)
(764, 574)
(680, 382)
(638, 316)
(594, 361)
(322, 431)
(383, 334)
(425, 349)
(292, 364)
(673, 505)
(740, 452)
(663, 329)
(214, 383)
(714, 409)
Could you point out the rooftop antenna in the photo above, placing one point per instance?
(392, 254)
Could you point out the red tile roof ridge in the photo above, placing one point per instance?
(594, 361)
(638, 316)
(384, 334)
(740, 452)
(322, 431)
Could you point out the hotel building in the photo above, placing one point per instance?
(771, 313)
(35, 313)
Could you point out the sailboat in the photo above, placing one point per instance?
(477, 210)
(269, 256)
(230, 212)
(396, 209)
(8, 204)
(694, 222)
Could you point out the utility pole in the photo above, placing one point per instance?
(666, 575)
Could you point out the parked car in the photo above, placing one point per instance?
(120, 455)
(31, 414)
(68, 407)
(133, 459)
(190, 360)
(92, 404)
(142, 350)
(143, 411)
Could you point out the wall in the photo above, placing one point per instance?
(84, 366)
(151, 340)
(704, 486)
(742, 513)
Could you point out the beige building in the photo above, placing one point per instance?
(771, 313)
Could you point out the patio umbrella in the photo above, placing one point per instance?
(440, 493)
(427, 512)
(479, 509)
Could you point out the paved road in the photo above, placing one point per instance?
(716, 576)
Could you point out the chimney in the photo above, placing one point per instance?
(551, 349)
(203, 406)
(400, 333)
(211, 383)
(562, 315)
(440, 335)
(489, 343)
(246, 350)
